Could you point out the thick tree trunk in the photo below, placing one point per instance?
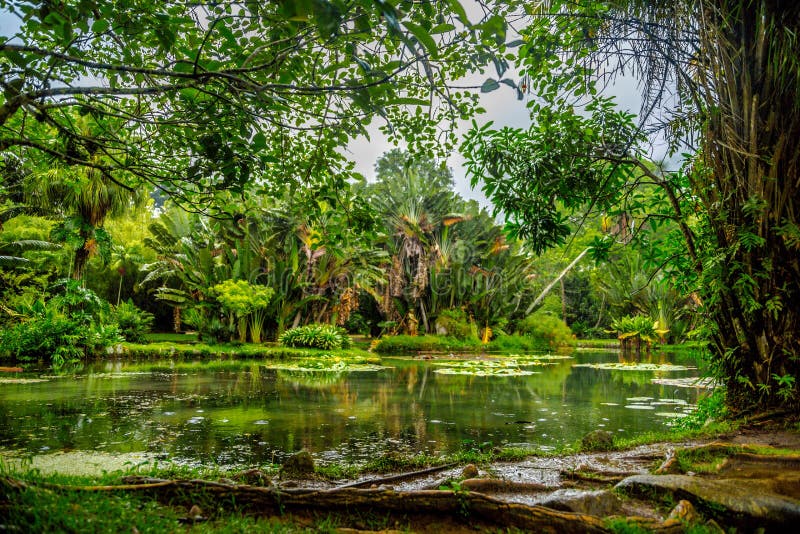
(751, 192)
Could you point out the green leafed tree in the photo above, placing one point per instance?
(210, 96)
(720, 80)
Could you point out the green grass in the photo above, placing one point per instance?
(403, 344)
(412, 344)
(676, 434)
(171, 337)
(167, 349)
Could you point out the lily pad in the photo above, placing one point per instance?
(22, 380)
(536, 357)
(636, 366)
(689, 382)
(483, 368)
(483, 372)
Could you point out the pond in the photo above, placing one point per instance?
(250, 414)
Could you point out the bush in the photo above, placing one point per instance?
(133, 322)
(455, 323)
(412, 344)
(316, 336)
(551, 330)
(357, 324)
(49, 335)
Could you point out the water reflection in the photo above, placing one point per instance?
(257, 415)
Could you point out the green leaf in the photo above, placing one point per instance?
(408, 101)
(100, 25)
(259, 141)
(442, 28)
(423, 37)
(459, 10)
(489, 86)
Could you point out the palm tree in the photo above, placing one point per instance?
(82, 196)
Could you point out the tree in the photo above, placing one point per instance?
(446, 253)
(730, 70)
(212, 96)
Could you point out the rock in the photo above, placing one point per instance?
(684, 512)
(735, 502)
(601, 503)
(598, 440)
(470, 471)
(298, 465)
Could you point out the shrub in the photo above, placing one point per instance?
(411, 344)
(49, 335)
(133, 322)
(548, 328)
(455, 323)
(316, 336)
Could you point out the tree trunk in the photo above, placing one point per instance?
(80, 259)
(552, 284)
(752, 131)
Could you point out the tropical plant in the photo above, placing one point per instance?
(242, 299)
(446, 253)
(632, 331)
(133, 323)
(455, 323)
(316, 336)
(66, 328)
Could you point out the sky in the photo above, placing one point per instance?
(503, 109)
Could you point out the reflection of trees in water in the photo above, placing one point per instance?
(392, 409)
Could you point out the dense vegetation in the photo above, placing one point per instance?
(183, 164)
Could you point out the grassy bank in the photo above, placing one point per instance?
(169, 349)
(402, 344)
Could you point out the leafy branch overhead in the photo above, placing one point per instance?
(196, 97)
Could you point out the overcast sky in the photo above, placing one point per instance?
(503, 108)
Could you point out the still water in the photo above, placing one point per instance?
(254, 415)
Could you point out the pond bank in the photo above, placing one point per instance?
(746, 479)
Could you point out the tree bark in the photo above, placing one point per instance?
(752, 196)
